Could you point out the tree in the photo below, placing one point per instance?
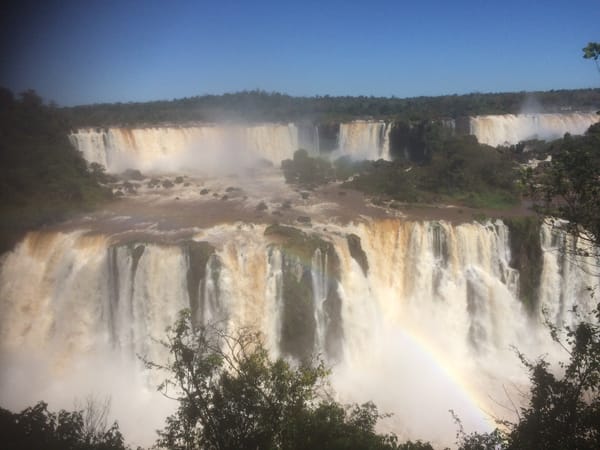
(592, 51)
(38, 428)
(563, 410)
(568, 189)
(231, 395)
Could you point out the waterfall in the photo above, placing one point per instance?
(510, 129)
(423, 324)
(204, 149)
(364, 139)
(207, 148)
(318, 273)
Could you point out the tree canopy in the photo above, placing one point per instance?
(592, 51)
(568, 188)
(231, 395)
(37, 428)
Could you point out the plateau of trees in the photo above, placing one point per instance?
(43, 177)
(568, 187)
(261, 106)
(449, 168)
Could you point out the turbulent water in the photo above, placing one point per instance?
(419, 317)
(509, 129)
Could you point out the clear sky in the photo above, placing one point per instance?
(88, 51)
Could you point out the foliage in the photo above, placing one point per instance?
(38, 428)
(306, 171)
(231, 395)
(569, 188)
(592, 51)
(563, 410)
(42, 176)
(444, 168)
(260, 106)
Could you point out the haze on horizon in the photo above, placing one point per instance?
(76, 52)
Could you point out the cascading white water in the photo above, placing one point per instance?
(365, 139)
(220, 148)
(426, 327)
(570, 272)
(510, 129)
(319, 280)
(205, 149)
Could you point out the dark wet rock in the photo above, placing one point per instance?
(286, 205)
(128, 187)
(298, 331)
(262, 206)
(225, 197)
(167, 184)
(132, 174)
(204, 191)
(303, 219)
(357, 252)
(154, 182)
(178, 180)
(305, 195)
(198, 254)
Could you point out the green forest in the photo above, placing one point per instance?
(43, 178)
(261, 106)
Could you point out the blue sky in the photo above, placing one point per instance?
(76, 52)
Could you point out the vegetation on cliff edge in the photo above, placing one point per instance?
(43, 178)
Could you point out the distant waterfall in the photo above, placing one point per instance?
(363, 139)
(510, 129)
(207, 148)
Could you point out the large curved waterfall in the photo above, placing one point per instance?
(221, 148)
(510, 129)
(417, 316)
(186, 149)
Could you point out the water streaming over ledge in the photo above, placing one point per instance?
(422, 324)
(221, 148)
(510, 129)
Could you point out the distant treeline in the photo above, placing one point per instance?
(261, 106)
